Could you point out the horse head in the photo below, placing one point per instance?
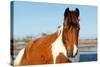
(70, 32)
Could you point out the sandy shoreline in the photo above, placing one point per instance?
(87, 41)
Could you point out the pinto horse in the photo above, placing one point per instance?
(54, 48)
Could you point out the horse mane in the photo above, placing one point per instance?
(60, 28)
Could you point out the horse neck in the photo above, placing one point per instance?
(58, 46)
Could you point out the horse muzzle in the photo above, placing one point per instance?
(70, 53)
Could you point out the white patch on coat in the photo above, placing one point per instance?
(19, 57)
(58, 46)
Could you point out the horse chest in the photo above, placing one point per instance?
(57, 48)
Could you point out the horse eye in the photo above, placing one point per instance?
(78, 19)
(79, 28)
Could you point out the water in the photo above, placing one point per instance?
(87, 52)
(88, 57)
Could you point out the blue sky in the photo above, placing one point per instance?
(31, 18)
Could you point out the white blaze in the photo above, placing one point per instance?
(75, 50)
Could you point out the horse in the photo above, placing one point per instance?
(56, 47)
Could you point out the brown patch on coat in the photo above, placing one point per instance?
(39, 51)
(61, 58)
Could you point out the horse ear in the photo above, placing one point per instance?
(77, 12)
(66, 12)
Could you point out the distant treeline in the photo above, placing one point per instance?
(87, 41)
(28, 38)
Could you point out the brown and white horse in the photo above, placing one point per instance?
(57, 47)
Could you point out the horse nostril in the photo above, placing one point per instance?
(76, 53)
(70, 53)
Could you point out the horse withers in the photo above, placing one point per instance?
(54, 48)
